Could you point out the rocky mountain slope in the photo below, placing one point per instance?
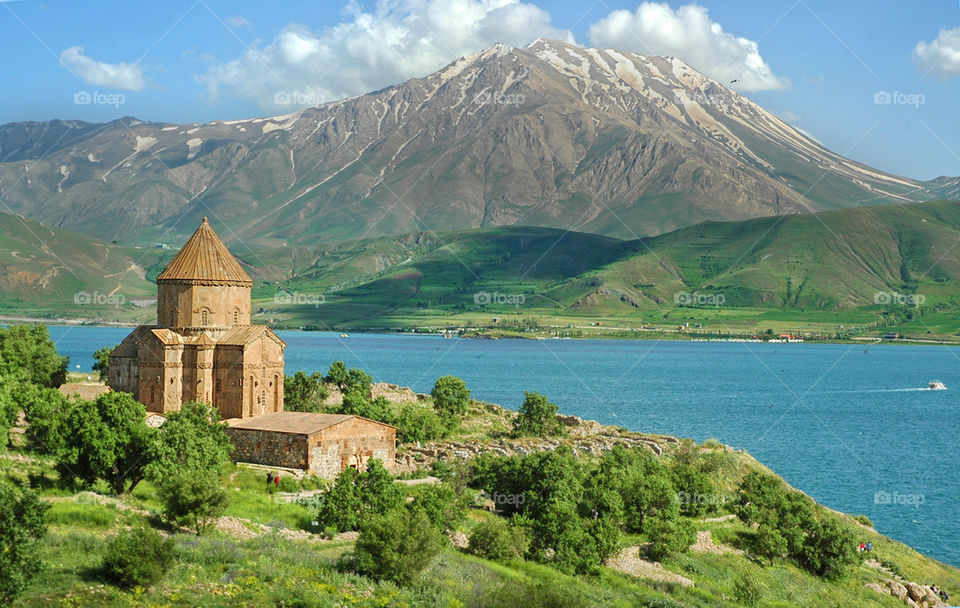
(551, 134)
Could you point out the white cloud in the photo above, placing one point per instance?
(236, 22)
(940, 57)
(687, 33)
(100, 73)
(396, 40)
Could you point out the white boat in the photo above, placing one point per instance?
(344, 335)
(936, 385)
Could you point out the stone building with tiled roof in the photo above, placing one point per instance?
(203, 347)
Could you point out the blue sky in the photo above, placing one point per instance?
(821, 65)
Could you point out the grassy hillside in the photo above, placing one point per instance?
(48, 271)
(265, 551)
(870, 269)
(851, 267)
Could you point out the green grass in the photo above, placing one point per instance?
(220, 570)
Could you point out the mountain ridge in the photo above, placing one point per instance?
(550, 134)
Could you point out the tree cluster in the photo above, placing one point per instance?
(787, 526)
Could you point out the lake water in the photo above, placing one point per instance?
(848, 424)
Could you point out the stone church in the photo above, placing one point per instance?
(204, 348)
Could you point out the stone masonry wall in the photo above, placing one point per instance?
(269, 448)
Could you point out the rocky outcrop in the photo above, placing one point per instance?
(583, 436)
(910, 593)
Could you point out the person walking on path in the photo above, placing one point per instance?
(269, 478)
(276, 480)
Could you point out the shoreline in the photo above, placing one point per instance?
(494, 334)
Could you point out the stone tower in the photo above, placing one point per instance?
(203, 289)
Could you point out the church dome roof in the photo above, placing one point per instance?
(205, 258)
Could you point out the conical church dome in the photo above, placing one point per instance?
(205, 258)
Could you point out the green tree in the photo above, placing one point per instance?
(192, 439)
(355, 496)
(192, 498)
(537, 418)
(101, 361)
(349, 380)
(22, 527)
(497, 539)
(451, 398)
(303, 393)
(649, 495)
(137, 556)
(669, 535)
(27, 351)
(442, 506)
(696, 491)
(108, 440)
(337, 375)
(397, 545)
(418, 423)
(45, 409)
(830, 550)
(770, 543)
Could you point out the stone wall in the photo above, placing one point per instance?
(269, 448)
(352, 443)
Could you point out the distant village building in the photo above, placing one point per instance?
(204, 348)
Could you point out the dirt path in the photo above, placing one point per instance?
(629, 562)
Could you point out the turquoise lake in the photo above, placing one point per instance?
(851, 425)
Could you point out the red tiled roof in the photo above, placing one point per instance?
(205, 258)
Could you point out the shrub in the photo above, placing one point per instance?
(138, 556)
(192, 498)
(441, 504)
(863, 519)
(22, 527)
(354, 496)
(669, 535)
(537, 418)
(451, 398)
(288, 484)
(498, 540)
(747, 592)
(662, 602)
(396, 546)
(418, 423)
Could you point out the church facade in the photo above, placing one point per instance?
(203, 347)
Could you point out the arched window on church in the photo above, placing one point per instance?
(203, 318)
(171, 318)
(236, 317)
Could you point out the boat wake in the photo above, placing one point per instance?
(880, 390)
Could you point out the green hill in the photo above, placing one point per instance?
(880, 268)
(854, 266)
